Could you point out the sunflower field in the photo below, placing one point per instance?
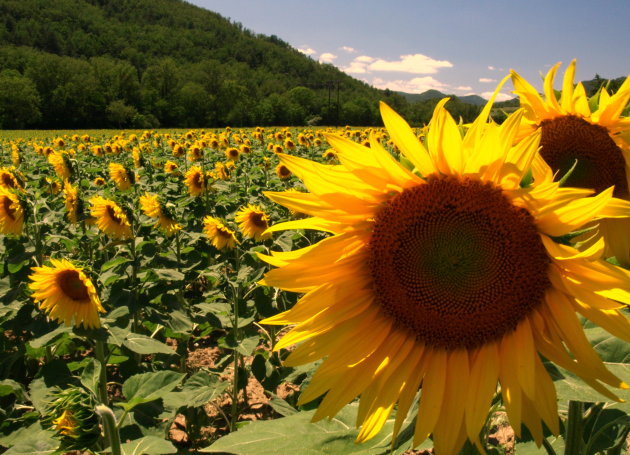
(148, 278)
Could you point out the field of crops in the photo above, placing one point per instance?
(135, 318)
(152, 220)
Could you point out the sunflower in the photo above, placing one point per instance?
(289, 144)
(195, 153)
(283, 171)
(151, 207)
(195, 181)
(99, 181)
(447, 278)
(221, 171)
(110, 218)
(16, 155)
(65, 293)
(9, 180)
(170, 167)
(221, 236)
(122, 177)
(11, 212)
(232, 154)
(594, 145)
(74, 205)
(253, 222)
(61, 163)
(138, 158)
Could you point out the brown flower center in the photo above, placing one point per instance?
(258, 220)
(284, 171)
(72, 286)
(454, 262)
(112, 214)
(600, 162)
(198, 180)
(8, 180)
(8, 209)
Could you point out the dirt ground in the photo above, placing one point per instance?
(254, 405)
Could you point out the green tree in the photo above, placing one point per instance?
(19, 101)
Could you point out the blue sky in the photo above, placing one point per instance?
(461, 47)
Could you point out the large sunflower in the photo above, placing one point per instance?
(65, 293)
(448, 278)
(122, 177)
(195, 181)
(151, 206)
(110, 218)
(74, 204)
(9, 180)
(220, 235)
(11, 212)
(586, 138)
(253, 222)
(61, 163)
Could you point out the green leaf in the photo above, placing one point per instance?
(198, 390)
(145, 387)
(281, 406)
(50, 337)
(530, 447)
(33, 440)
(142, 344)
(114, 262)
(244, 273)
(296, 434)
(149, 445)
(616, 355)
(117, 335)
(169, 274)
(90, 377)
(247, 345)
(115, 314)
(11, 387)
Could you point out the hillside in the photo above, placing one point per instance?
(432, 94)
(151, 63)
(146, 63)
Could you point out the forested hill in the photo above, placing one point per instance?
(149, 63)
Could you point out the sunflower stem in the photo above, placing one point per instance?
(39, 254)
(109, 425)
(178, 252)
(236, 296)
(102, 380)
(575, 425)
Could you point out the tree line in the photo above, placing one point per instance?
(167, 63)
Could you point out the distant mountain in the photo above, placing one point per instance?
(475, 100)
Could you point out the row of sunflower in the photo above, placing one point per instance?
(469, 264)
(132, 242)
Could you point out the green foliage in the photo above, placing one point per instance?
(142, 64)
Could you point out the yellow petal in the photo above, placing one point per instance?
(406, 140)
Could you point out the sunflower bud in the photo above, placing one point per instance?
(71, 416)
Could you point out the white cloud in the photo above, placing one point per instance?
(348, 49)
(411, 63)
(415, 85)
(306, 50)
(500, 96)
(486, 80)
(491, 68)
(355, 67)
(327, 57)
(463, 88)
(364, 59)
